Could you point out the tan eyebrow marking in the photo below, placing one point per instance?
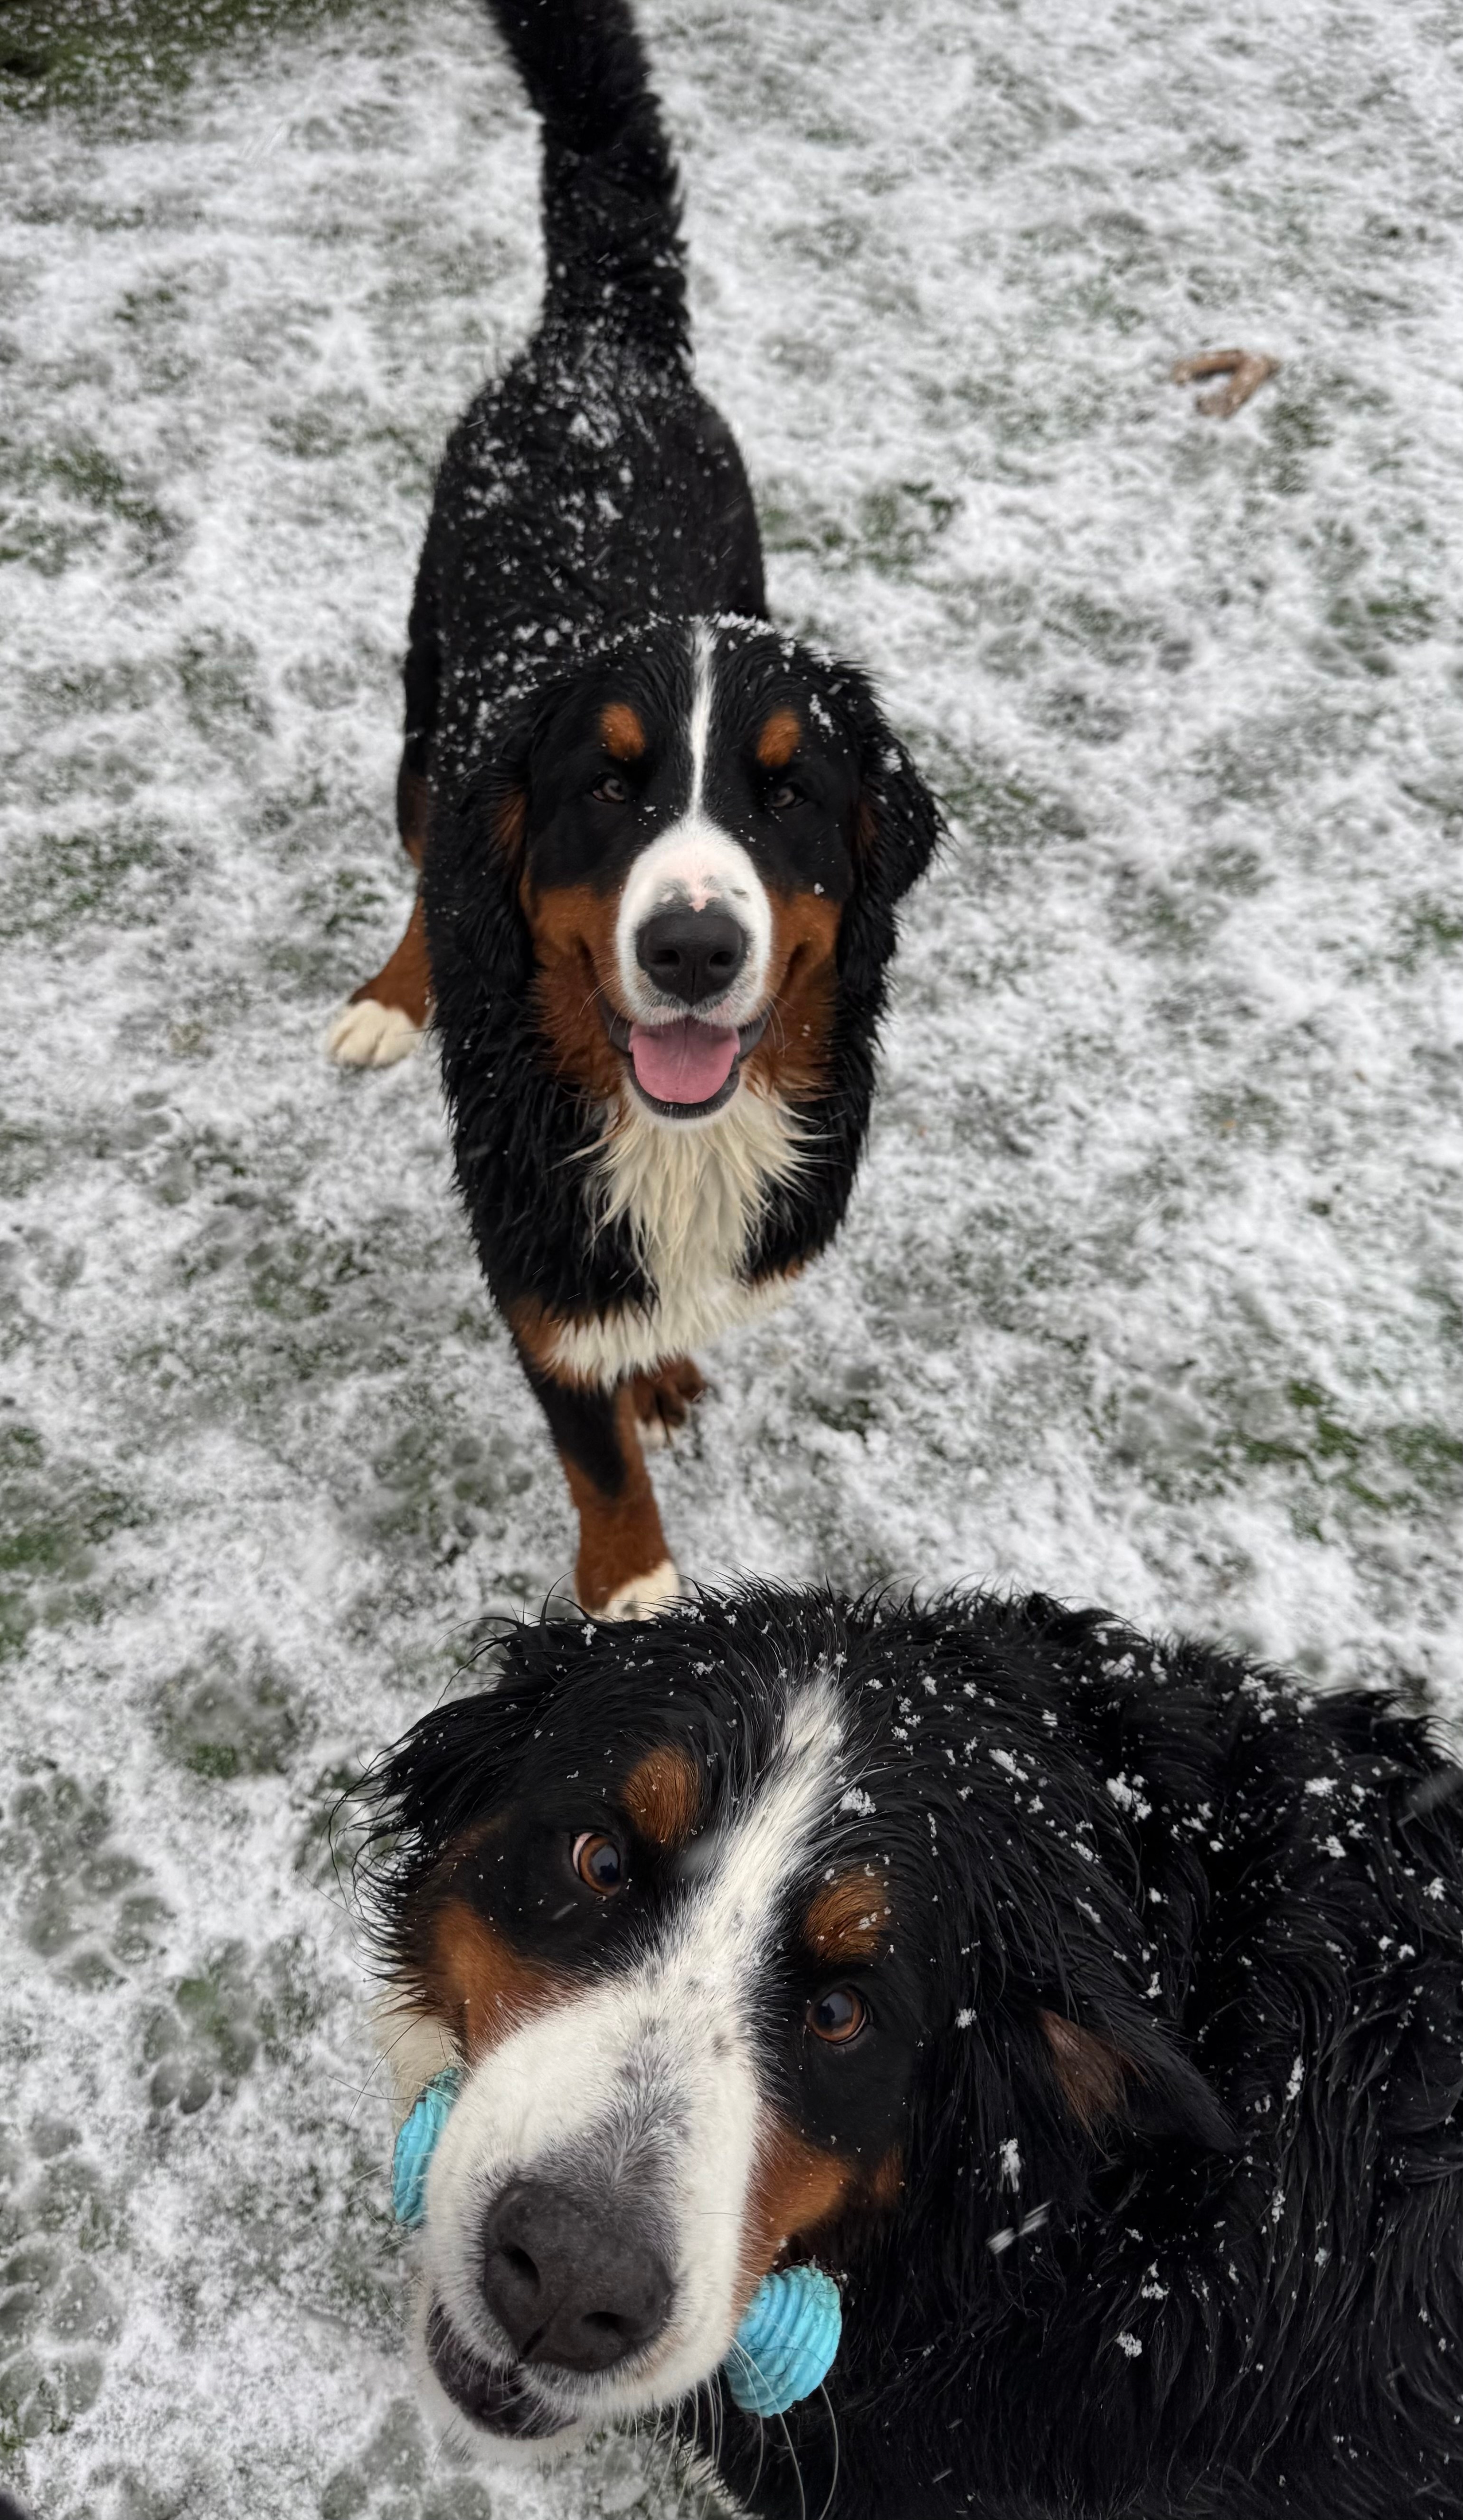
(779, 739)
(1088, 2068)
(621, 730)
(847, 1920)
(662, 1795)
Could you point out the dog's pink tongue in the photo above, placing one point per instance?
(683, 1063)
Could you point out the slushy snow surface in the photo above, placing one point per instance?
(1151, 1292)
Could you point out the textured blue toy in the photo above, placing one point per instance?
(418, 2141)
(785, 2345)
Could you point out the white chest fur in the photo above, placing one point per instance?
(690, 1196)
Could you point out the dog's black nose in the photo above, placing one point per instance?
(568, 2285)
(691, 954)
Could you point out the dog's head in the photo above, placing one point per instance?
(707, 830)
(749, 1952)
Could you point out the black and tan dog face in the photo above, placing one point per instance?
(670, 1968)
(693, 818)
(773, 1929)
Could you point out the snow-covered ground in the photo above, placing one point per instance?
(1152, 1288)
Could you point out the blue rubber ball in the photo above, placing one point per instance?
(786, 2346)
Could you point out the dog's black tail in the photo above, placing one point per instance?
(611, 225)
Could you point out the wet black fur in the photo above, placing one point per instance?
(589, 504)
(1250, 1895)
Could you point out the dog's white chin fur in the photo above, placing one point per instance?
(691, 1199)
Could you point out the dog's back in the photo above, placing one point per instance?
(591, 487)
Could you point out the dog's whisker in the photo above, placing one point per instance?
(833, 2428)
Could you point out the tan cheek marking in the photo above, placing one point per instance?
(621, 731)
(510, 822)
(796, 2188)
(662, 1795)
(574, 930)
(1089, 2070)
(847, 1920)
(887, 2183)
(792, 1057)
(477, 1984)
(779, 739)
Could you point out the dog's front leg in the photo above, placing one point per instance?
(623, 1570)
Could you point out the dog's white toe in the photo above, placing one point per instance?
(645, 1596)
(370, 1035)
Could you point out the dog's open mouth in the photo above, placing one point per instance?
(685, 1069)
(493, 2397)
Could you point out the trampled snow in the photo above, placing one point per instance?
(1151, 1293)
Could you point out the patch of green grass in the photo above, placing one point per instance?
(222, 1722)
(1005, 816)
(53, 1520)
(1390, 1468)
(58, 502)
(899, 525)
(97, 53)
(892, 529)
(26, 1155)
(221, 2019)
(84, 1905)
(441, 1488)
(1245, 1113)
(117, 869)
(1429, 926)
(58, 2314)
(1295, 425)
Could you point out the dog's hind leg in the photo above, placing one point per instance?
(623, 1570)
(387, 1015)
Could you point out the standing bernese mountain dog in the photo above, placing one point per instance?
(1091, 2010)
(660, 843)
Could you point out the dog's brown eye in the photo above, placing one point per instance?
(611, 790)
(783, 796)
(599, 1863)
(837, 2016)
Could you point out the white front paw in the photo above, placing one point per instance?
(370, 1035)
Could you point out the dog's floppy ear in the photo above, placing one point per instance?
(476, 931)
(496, 798)
(898, 825)
(1137, 2080)
(453, 1771)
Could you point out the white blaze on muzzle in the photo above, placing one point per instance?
(694, 866)
(646, 2082)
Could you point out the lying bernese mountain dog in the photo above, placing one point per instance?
(1090, 2009)
(660, 843)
